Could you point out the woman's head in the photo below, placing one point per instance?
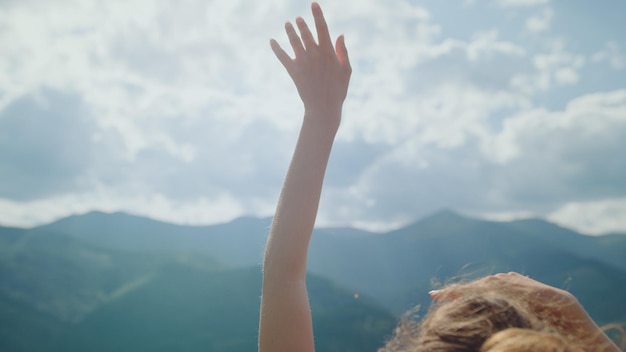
(459, 325)
(484, 315)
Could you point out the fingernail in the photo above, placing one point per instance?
(434, 293)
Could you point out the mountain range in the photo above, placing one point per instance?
(101, 281)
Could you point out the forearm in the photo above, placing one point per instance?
(286, 252)
(285, 323)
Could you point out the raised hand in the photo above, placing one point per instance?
(320, 70)
(321, 73)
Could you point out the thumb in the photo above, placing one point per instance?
(342, 53)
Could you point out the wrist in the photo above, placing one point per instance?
(327, 119)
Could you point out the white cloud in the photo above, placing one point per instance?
(539, 160)
(566, 75)
(394, 105)
(612, 54)
(556, 66)
(586, 119)
(549, 158)
(202, 210)
(189, 110)
(487, 43)
(541, 21)
(593, 217)
(515, 3)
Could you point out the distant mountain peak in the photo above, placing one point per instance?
(446, 213)
(442, 219)
(93, 214)
(445, 216)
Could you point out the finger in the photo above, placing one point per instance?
(307, 37)
(342, 53)
(435, 294)
(443, 294)
(282, 56)
(323, 37)
(296, 44)
(449, 292)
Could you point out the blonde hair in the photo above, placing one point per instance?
(486, 316)
(460, 325)
(525, 340)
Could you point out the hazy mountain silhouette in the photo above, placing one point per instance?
(120, 282)
(398, 267)
(390, 267)
(60, 293)
(610, 248)
(238, 243)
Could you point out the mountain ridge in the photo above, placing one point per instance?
(442, 215)
(72, 268)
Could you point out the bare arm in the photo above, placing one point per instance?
(321, 74)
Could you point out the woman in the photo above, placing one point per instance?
(505, 312)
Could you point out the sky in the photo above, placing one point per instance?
(179, 111)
